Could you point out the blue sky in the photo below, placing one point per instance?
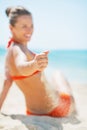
(58, 24)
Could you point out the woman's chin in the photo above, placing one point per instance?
(28, 39)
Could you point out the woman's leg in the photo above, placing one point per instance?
(62, 86)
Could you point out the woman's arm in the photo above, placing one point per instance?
(25, 67)
(6, 85)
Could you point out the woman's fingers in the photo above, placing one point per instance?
(42, 63)
(46, 52)
(41, 60)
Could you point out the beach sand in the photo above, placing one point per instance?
(15, 118)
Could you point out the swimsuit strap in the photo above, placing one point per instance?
(20, 77)
(10, 42)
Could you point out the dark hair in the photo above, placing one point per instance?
(14, 12)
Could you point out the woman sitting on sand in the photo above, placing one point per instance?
(26, 69)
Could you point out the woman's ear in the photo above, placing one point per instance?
(10, 27)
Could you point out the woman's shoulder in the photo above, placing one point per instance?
(15, 49)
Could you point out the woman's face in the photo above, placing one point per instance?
(23, 29)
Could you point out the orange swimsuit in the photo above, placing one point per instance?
(21, 76)
(64, 103)
(61, 110)
(10, 42)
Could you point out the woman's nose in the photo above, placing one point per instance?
(29, 30)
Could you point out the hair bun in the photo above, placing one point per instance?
(8, 10)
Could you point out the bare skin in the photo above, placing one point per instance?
(34, 88)
(39, 96)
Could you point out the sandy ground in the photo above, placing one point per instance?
(14, 106)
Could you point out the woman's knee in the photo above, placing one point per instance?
(72, 106)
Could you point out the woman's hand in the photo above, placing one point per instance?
(41, 61)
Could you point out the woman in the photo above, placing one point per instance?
(26, 69)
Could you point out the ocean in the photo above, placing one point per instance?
(72, 63)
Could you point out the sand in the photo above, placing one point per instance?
(15, 118)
